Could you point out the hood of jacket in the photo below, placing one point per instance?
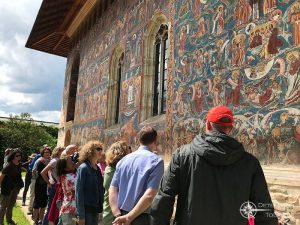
(217, 148)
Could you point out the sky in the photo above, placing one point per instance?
(30, 81)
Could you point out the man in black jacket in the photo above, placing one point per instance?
(215, 180)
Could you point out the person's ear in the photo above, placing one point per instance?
(208, 126)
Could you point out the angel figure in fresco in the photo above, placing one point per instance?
(219, 21)
(243, 12)
(182, 39)
(269, 5)
(294, 18)
(235, 83)
(293, 77)
(197, 96)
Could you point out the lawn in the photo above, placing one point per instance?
(19, 217)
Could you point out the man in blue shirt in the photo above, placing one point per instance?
(136, 181)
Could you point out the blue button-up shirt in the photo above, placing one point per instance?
(136, 173)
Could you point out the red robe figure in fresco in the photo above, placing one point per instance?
(274, 42)
(243, 12)
(295, 20)
(269, 5)
(234, 96)
(196, 8)
(241, 53)
(219, 20)
(201, 28)
(197, 96)
(235, 56)
(182, 39)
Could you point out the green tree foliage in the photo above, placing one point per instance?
(20, 131)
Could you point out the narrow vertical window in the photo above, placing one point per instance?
(115, 88)
(118, 88)
(161, 66)
(72, 90)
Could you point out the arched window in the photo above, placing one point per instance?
(161, 65)
(154, 79)
(73, 90)
(114, 88)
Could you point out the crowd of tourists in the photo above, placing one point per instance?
(211, 177)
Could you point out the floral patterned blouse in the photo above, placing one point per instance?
(68, 187)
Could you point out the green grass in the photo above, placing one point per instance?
(19, 217)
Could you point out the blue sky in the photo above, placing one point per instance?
(30, 81)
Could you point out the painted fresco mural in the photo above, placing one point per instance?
(96, 49)
(242, 53)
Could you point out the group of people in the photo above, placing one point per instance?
(212, 178)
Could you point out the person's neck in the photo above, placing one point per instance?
(93, 162)
(151, 147)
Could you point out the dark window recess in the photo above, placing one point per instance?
(160, 76)
(118, 89)
(72, 90)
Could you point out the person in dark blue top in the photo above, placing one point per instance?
(89, 189)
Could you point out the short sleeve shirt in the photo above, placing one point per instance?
(53, 172)
(135, 173)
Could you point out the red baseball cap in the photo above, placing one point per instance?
(217, 113)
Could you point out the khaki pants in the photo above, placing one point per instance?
(7, 203)
(31, 197)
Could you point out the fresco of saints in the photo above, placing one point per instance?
(274, 42)
(243, 12)
(269, 5)
(238, 50)
(201, 28)
(196, 8)
(294, 18)
(293, 78)
(179, 105)
(235, 83)
(182, 40)
(271, 93)
(197, 96)
(256, 39)
(219, 21)
(217, 89)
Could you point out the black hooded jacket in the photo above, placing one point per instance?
(212, 177)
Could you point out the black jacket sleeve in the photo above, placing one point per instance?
(163, 204)
(260, 196)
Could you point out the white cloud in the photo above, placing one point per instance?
(30, 81)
